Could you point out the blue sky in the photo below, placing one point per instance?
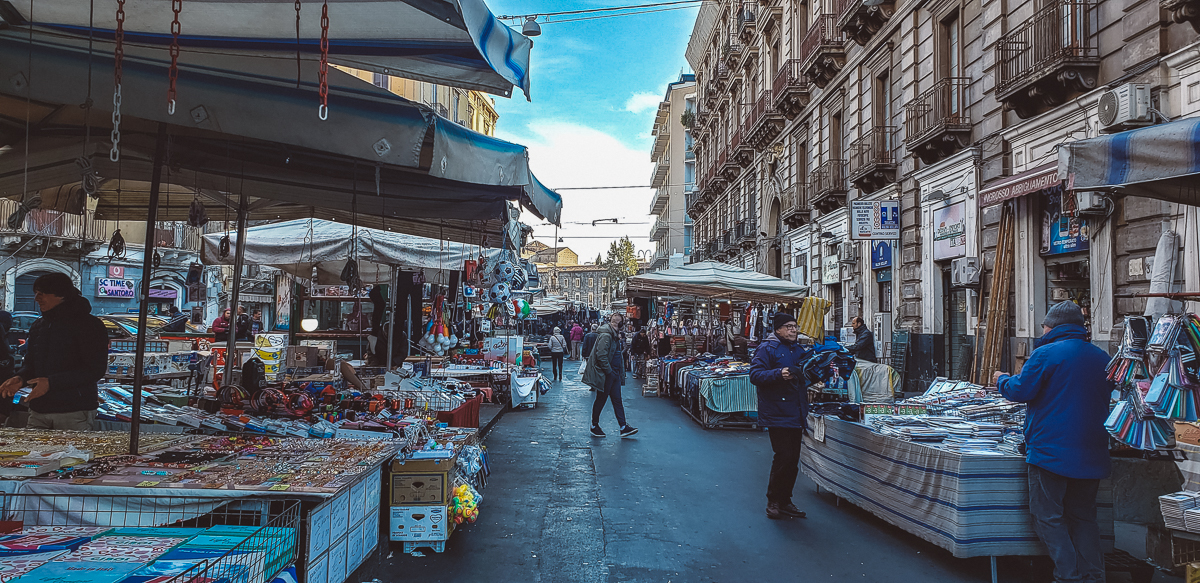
(596, 85)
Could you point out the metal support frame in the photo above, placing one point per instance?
(139, 360)
(239, 262)
(391, 307)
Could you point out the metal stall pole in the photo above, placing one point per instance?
(391, 327)
(135, 425)
(239, 260)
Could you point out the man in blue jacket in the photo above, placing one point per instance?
(782, 409)
(1067, 391)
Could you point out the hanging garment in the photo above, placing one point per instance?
(811, 318)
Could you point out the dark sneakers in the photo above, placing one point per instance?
(776, 511)
(628, 431)
(791, 510)
(597, 432)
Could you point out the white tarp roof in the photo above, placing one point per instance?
(549, 305)
(718, 280)
(298, 246)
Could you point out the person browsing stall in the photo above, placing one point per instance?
(863, 348)
(1065, 385)
(782, 409)
(65, 356)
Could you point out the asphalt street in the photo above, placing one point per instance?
(675, 503)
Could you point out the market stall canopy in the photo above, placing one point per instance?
(450, 42)
(380, 160)
(718, 280)
(550, 305)
(300, 245)
(1160, 162)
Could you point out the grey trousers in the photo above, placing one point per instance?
(74, 421)
(1064, 516)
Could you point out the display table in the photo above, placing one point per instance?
(970, 505)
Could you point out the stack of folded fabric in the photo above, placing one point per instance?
(1174, 505)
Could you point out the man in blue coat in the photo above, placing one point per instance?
(782, 409)
(1067, 390)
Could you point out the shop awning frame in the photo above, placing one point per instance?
(709, 279)
(1160, 162)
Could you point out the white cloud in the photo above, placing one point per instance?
(642, 102)
(568, 155)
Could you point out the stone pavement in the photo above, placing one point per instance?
(674, 503)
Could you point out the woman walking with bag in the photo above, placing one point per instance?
(558, 349)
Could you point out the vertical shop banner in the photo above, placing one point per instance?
(874, 219)
(1061, 233)
(881, 254)
(950, 231)
(283, 301)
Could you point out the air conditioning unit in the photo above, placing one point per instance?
(848, 252)
(964, 272)
(1125, 107)
(1090, 202)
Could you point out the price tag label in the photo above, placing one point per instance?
(280, 487)
(148, 484)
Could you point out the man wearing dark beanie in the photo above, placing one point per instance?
(782, 409)
(1065, 385)
(65, 356)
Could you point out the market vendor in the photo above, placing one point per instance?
(65, 356)
(1067, 390)
(782, 409)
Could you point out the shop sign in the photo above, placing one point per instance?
(881, 254)
(1021, 184)
(950, 232)
(830, 272)
(1061, 233)
(874, 219)
(115, 288)
(116, 271)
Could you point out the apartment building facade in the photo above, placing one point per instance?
(955, 109)
(472, 109)
(674, 174)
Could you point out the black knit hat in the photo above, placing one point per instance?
(780, 319)
(56, 284)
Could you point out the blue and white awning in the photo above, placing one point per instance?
(1160, 162)
(450, 42)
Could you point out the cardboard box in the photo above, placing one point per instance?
(411, 489)
(303, 357)
(442, 466)
(420, 523)
(1193, 573)
(1188, 433)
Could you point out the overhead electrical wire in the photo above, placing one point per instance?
(608, 9)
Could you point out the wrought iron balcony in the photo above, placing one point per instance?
(740, 150)
(747, 20)
(1048, 59)
(744, 233)
(796, 210)
(872, 163)
(860, 22)
(828, 186)
(936, 123)
(765, 122)
(719, 179)
(728, 164)
(823, 50)
(659, 230)
(731, 53)
(62, 230)
(790, 89)
(658, 203)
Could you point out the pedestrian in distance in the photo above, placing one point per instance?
(66, 355)
(576, 339)
(242, 325)
(1066, 388)
(222, 324)
(558, 349)
(863, 348)
(782, 409)
(589, 340)
(605, 375)
(640, 349)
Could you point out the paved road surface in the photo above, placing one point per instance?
(676, 503)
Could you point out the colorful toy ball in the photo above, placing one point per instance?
(504, 271)
(500, 293)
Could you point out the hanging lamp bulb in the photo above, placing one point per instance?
(531, 27)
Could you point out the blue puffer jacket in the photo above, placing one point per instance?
(781, 403)
(1066, 387)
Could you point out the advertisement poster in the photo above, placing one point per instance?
(114, 288)
(950, 232)
(1061, 233)
(504, 348)
(283, 301)
(881, 254)
(830, 272)
(874, 219)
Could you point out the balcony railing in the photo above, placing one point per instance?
(790, 88)
(744, 232)
(1055, 34)
(829, 184)
(796, 208)
(50, 223)
(939, 111)
(659, 229)
(873, 149)
(823, 32)
(823, 50)
(747, 16)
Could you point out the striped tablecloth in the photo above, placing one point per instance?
(732, 394)
(970, 505)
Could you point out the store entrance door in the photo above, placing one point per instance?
(958, 343)
(23, 296)
(839, 314)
